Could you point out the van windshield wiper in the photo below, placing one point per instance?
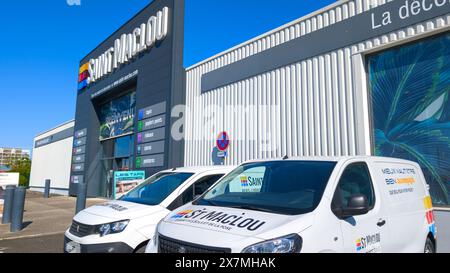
(250, 207)
(212, 203)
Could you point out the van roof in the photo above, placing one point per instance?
(335, 159)
(199, 169)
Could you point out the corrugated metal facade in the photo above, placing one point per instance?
(313, 103)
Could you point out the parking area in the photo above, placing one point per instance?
(45, 221)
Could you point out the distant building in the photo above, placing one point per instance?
(9, 155)
(52, 157)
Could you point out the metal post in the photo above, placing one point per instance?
(81, 197)
(8, 204)
(17, 211)
(47, 188)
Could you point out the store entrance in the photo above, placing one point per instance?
(118, 155)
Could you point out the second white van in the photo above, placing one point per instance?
(126, 225)
(326, 205)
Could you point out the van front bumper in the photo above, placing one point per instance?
(74, 247)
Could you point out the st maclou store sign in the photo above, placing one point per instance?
(125, 49)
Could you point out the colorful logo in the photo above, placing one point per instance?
(358, 245)
(428, 203)
(181, 214)
(83, 76)
(408, 181)
(244, 181)
(369, 243)
(400, 181)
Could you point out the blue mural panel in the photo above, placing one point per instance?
(410, 88)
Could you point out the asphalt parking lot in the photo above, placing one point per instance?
(47, 219)
(41, 244)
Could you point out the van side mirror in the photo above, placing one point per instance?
(357, 205)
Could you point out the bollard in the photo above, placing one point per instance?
(47, 188)
(17, 210)
(8, 204)
(81, 197)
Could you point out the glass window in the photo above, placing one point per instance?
(193, 191)
(411, 108)
(283, 187)
(154, 191)
(205, 183)
(117, 117)
(123, 147)
(355, 180)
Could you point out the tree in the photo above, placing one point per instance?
(23, 167)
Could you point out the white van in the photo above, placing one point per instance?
(127, 225)
(327, 205)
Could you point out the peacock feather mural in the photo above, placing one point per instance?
(410, 88)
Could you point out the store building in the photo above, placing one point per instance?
(358, 77)
(354, 78)
(52, 158)
(127, 87)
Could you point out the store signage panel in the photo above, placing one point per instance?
(153, 110)
(77, 179)
(65, 134)
(126, 181)
(152, 161)
(80, 133)
(79, 150)
(79, 142)
(79, 158)
(9, 179)
(78, 167)
(152, 123)
(152, 135)
(151, 148)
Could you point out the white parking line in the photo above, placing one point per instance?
(31, 236)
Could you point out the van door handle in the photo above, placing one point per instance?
(381, 223)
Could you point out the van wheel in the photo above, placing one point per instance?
(429, 246)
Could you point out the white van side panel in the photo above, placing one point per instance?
(404, 190)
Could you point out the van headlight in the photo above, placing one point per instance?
(288, 244)
(112, 228)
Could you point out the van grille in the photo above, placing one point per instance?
(81, 230)
(169, 245)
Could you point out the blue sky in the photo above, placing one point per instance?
(42, 42)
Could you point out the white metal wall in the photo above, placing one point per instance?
(52, 161)
(317, 113)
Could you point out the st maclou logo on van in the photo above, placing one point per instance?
(369, 243)
(115, 207)
(248, 181)
(218, 219)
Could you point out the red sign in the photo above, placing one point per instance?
(223, 141)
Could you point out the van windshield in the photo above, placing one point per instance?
(282, 187)
(157, 188)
